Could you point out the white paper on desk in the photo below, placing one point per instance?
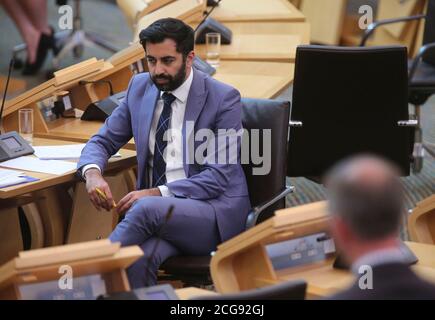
(6, 174)
(61, 152)
(12, 180)
(45, 166)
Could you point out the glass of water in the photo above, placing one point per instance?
(25, 124)
(213, 46)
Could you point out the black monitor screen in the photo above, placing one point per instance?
(12, 143)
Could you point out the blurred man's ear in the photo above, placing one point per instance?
(341, 232)
(189, 59)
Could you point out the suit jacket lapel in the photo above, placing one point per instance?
(146, 112)
(195, 103)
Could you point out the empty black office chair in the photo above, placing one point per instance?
(348, 101)
(290, 290)
(267, 192)
(421, 76)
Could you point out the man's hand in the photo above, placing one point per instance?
(125, 203)
(95, 180)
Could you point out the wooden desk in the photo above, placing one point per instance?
(188, 293)
(326, 18)
(326, 280)
(260, 47)
(264, 30)
(421, 222)
(63, 80)
(54, 206)
(74, 129)
(258, 10)
(127, 159)
(263, 80)
(322, 280)
(303, 29)
(103, 258)
(243, 263)
(262, 41)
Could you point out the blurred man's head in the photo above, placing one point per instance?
(168, 45)
(366, 204)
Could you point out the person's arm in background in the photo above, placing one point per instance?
(115, 133)
(214, 178)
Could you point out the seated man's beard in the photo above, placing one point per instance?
(173, 81)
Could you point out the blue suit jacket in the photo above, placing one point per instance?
(210, 104)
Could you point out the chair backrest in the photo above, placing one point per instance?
(429, 32)
(290, 290)
(266, 116)
(349, 101)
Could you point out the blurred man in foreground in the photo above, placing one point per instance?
(367, 204)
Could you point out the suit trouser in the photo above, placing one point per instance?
(191, 230)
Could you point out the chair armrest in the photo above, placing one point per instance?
(423, 50)
(373, 26)
(253, 216)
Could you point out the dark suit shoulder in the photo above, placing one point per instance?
(394, 281)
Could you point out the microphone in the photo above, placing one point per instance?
(198, 63)
(208, 25)
(215, 4)
(11, 65)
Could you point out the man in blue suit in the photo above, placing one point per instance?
(165, 111)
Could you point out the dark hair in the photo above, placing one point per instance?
(171, 28)
(372, 210)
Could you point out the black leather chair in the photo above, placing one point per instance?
(421, 76)
(290, 290)
(267, 192)
(348, 101)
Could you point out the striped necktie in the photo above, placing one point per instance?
(159, 163)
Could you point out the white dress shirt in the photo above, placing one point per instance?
(174, 148)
